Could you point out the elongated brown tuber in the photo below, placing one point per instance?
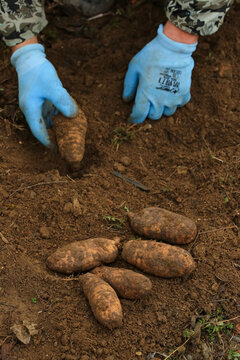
(159, 259)
(103, 301)
(83, 255)
(127, 283)
(161, 224)
(70, 136)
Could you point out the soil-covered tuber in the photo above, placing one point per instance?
(70, 136)
(161, 224)
(159, 259)
(103, 301)
(127, 283)
(83, 255)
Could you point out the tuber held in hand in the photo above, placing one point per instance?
(127, 283)
(161, 224)
(70, 136)
(83, 255)
(103, 301)
(159, 259)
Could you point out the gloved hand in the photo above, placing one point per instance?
(38, 81)
(160, 77)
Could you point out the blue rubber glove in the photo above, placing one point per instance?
(159, 77)
(39, 84)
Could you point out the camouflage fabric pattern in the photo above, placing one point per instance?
(20, 20)
(202, 17)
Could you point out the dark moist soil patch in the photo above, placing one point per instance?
(190, 162)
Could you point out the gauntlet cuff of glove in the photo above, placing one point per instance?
(27, 57)
(175, 46)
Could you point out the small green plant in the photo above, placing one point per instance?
(213, 328)
(209, 56)
(120, 12)
(214, 324)
(165, 189)
(34, 300)
(114, 222)
(226, 180)
(188, 333)
(126, 209)
(226, 199)
(121, 134)
(233, 355)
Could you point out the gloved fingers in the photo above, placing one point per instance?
(185, 99)
(168, 111)
(63, 102)
(130, 84)
(156, 111)
(140, 109)
(33, 115)
(48, 113)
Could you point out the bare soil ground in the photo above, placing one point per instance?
(190, 162)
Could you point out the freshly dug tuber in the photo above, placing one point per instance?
(159, 259)
(70, 136)
(103, 301)
(83, 255)
(161, 224)
(127, 283)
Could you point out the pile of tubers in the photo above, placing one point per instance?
(104, 285)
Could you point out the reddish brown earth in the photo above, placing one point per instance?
(190, 162)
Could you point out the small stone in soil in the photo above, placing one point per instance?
(225, 71)
(77, 210)
(125, 160)
(68, 207)
(32, 194)
(206, 351)
(64, 340)
(119, 167)
(44, 232)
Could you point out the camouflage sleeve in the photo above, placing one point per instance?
(20, 20)
(202, 17)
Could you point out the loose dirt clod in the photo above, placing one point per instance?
(83, 255)
(161, 224)
(103, 301)
(70, 136)
(158, 258)
(127, 283)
